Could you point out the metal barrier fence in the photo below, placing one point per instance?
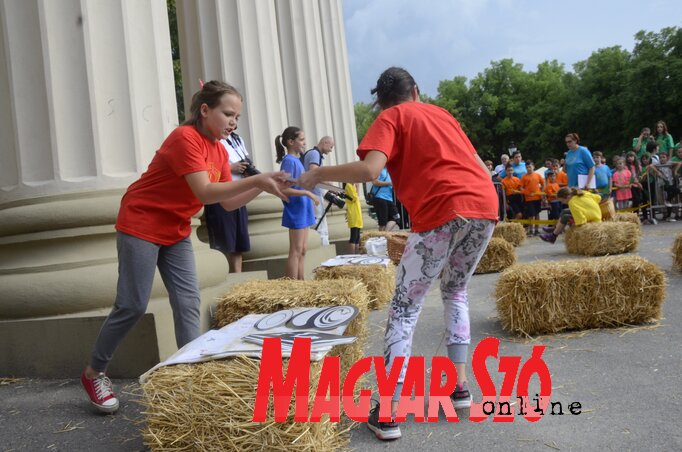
(661, 189)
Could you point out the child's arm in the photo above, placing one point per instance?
(234, 194)
(299, 192)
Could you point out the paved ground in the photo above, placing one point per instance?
(626, 380)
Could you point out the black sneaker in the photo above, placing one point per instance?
(383, 430)
(461, 398)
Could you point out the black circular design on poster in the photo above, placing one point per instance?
(333, 317)
(302, 319)
(274, 320)
(367, 261)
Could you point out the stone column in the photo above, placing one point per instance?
(86, 98)
(288, 60)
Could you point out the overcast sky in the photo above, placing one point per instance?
(439, 39)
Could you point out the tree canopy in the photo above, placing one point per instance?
(607, 99)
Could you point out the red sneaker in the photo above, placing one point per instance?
(101, 392)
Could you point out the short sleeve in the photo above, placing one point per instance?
(287, 166)
(184, 152)
(587, 158)
(312, 157)
(381, 135)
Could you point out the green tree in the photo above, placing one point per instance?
(365, 114)
(654, 81)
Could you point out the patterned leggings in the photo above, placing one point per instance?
(454, 248)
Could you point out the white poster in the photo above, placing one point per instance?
(325, 326)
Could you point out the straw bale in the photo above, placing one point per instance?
(266, 296)
(550, 297)
(498, 255)
(629, 217)
(209, 406)
(380, 280)
(599, 239)
(677, 252)
(511, 232)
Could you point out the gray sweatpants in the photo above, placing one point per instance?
(137, 262)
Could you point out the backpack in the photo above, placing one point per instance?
(319, 163)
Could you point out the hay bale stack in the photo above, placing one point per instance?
(677, 252)
(599, 239)
(264, 297)
(498, 255)
(379, 280)
(628, 217)
(550, 297)
(208, 406)
(511, 232)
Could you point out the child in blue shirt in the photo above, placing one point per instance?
(298, 213)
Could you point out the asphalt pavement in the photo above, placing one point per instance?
(625, 379)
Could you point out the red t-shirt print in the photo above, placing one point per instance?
(213, 172)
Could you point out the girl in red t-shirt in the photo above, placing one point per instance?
(448, 192)
(190, 169)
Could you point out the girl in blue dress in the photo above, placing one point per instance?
(298, 213)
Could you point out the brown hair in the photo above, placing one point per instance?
(209, 94)
(565, 192)
(573, 136)
(597, 154)
(290, 133)
(665, 127)
(393, 87)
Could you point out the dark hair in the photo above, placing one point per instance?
(515, 153)
(209, 94)
(636, 167)
(565, 192)
(651, 147)
(508, 165)
(394, 87)
(646, 129)
(573, 136)
(290, 133)
(530, 162)
(597, 154)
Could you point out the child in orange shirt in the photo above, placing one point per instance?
(551, 189)
(512, 190)
(561, 177)
(531, 187)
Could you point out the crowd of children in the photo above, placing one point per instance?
(648, 184)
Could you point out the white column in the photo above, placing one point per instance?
(304, 68)
(338, 81)
(236, 41)
(90, 94)
(86, 98)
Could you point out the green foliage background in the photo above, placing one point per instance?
(607, 99)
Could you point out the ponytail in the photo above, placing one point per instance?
(290, 133)
(279, 149)
(565, 192)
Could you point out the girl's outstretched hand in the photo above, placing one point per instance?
(274, 183)
(309, 179)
